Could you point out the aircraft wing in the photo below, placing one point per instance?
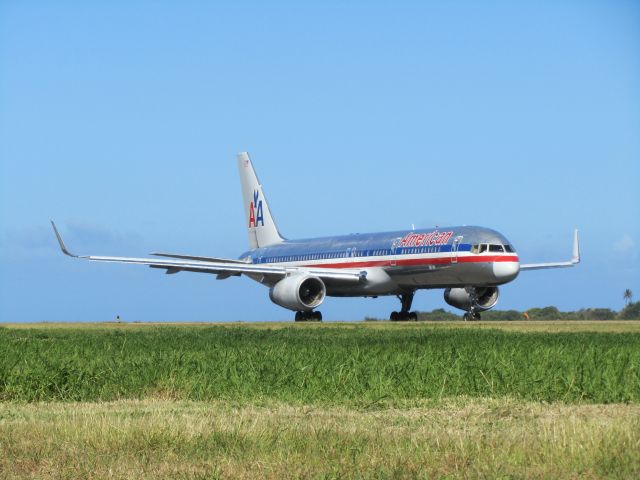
(223, 268)
(193, 257)
(575, 258)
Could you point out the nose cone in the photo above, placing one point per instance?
(505, 271)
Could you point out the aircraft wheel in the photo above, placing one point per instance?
(395, 316)
(308, 317)
(476, 316)
(413, 316)
(467, 317)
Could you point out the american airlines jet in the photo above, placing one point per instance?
(469, 263)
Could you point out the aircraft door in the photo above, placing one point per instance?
(454, 249)
(395, 250)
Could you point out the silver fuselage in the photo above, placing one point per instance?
(402, 261)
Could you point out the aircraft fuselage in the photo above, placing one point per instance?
(401, 261)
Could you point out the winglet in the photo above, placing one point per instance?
(63, 247)
(575, 258)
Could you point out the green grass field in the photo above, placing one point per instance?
(368, 400)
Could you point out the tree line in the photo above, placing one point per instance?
(630, 312)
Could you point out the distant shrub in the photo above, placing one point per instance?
(503, 315)
(546, 313)
(596, 314)
(630, 312)
(437, 315)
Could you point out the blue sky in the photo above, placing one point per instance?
(121, 120)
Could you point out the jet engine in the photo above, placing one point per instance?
(300, 293)
(476, 299)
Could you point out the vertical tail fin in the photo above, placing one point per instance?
(262, 229)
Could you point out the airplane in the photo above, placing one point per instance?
(468, 262)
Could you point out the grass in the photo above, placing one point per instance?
(457, 438)
(328, 365)
(568, 326)
(368, 400)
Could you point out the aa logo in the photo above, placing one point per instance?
(255, 211)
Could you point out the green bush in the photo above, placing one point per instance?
(546, 313)
(630, 312)
(437, 315)
(502, 315)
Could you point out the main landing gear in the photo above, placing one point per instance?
(404, 314)
(308, 317)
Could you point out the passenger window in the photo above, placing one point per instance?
(496, 248)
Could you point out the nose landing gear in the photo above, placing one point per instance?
(472, 315)
(406, 299)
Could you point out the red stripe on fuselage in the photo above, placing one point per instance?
(417, 261)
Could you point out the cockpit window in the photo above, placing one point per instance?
(483, 248)
(508, 248)
(496, 248)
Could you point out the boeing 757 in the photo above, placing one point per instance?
(469, 263)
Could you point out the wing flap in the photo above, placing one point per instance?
(193, 257)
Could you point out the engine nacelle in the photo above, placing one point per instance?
(479, 299)
(300, 293)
